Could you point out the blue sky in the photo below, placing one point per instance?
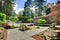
(20, 4)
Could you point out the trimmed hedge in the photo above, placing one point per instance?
(13, 19)
(24, 19)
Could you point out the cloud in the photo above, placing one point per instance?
(17, 10)
(20, 9)
(15, 6)
(33, 9)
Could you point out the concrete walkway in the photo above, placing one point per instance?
(15, 34)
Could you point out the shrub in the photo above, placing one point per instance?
(53, 25)
(30, 20)
(1, 29)
(23, 19)
(13, 26)
(58, 23)
(8, 17)
(13, 19)
(41, 21)
(23, 27)
(2, 19)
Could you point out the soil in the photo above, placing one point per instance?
(37, 37)
(3, 35)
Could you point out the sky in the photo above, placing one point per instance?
(19, 4)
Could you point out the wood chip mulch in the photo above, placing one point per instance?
(37, 37)
(3, 35)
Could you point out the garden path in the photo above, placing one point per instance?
(15, 34)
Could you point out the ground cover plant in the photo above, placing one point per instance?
(41, 21)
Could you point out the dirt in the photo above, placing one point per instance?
(45, 33)
(37, 37)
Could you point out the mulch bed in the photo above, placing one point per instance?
(37, 37)
(3, 35)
